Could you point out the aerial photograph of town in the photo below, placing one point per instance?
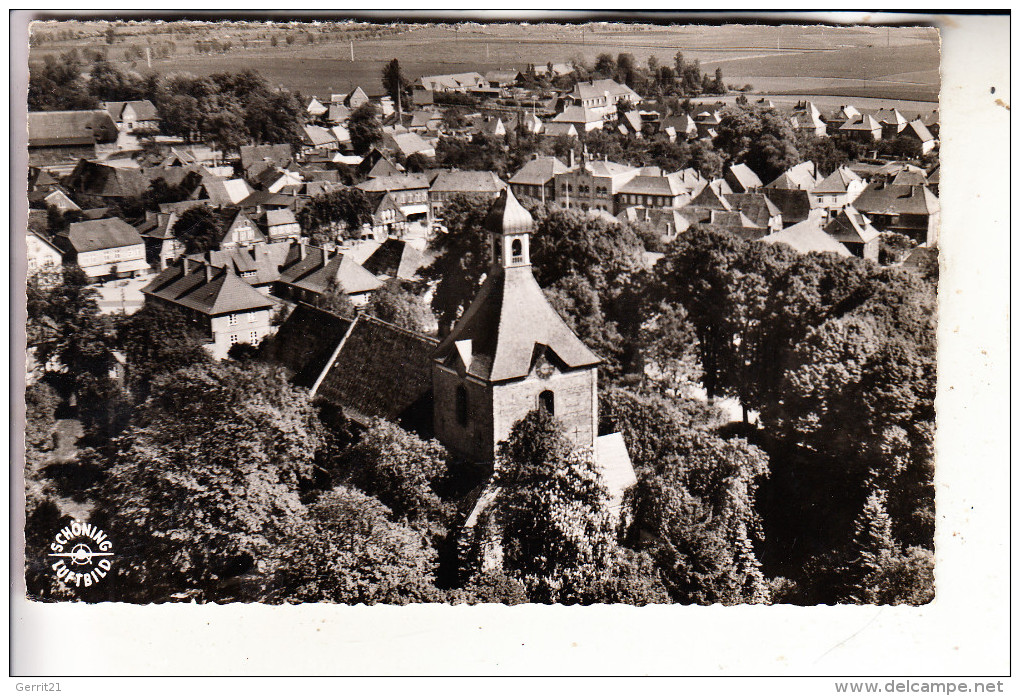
(581, 313)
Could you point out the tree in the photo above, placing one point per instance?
(201, 228)
(364, 129)
(394, 82)
(462, 256)
(343, 210)
(354, 553)
(551, 509)
(577, 303)
(335, 299)
(400, 307)
(403, 471)
(761, 138)
(158, 339)
(205, 487)
(698, 510)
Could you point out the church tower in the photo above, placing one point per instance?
(511, 353)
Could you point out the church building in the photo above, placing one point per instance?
(511, 353)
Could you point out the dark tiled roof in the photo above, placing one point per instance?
(306, 341)
(103, 180)
(468, 182)
(507, 324)
(397, 182)
(850, 226)
(144, 109)
(52, 128)
(222, 293)
(93, 235)
(756, 206)
(279, 155)
(891, 199)
(539, 171)
(314, 272)
(396, 259)
(379, 371)
(794, 204)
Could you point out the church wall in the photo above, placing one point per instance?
(576, 404)
(475, 440)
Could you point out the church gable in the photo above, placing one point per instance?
(545, 363)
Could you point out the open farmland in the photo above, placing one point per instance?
(892, 63)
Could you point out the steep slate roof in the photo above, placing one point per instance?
(553, 129)
(468, 182)
(100, 179)
(577, 114)
(378, 370)
(280, 155)
(801, 176)
(144, 109)
(93, 235)
(394, 258)
(710, 198)
(837, 182)
(794, 204)
(910, 177)
(397, 182)
(306, 341)
(755, 206)
(224, 293)
(264, 259)
(806, 237)
(319, 136)
(510, 322)
(314, 272)
(849, 225)
(890, 116)
(284, 216)
(743, 176)
(55, 128)
(861, 123)
(891, 199)
(226, 191)
(539, 171)
(918, 130)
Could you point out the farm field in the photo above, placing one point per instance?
(837, 61)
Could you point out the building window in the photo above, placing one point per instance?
(254, 335)
(232, 320)
(547, 402)
(461, 405)
(251, 317)
(517, 251)
(233, 339)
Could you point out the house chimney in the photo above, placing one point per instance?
(302, 250)
(572, 165)
(186, 265)
(208, 272)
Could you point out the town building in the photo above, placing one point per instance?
(45, 260)
(537, 178)
(225, 309)
(104, 248)
(910, 210)
(460, 183)
(854, 231)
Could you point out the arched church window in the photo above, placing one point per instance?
(517, 251)
(461, 405)
(547, 402)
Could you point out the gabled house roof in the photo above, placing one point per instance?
(802, 176)
(467, 182)
(807, 237)
(306, 341)
(279, 155)
(554, 129)
(378, 370)
(837, 182)
(682, 123)
(211, 291)
(241, 220)
(108, 233)
(314, 272)
(850, 226)
(710, 198)
(654, 186)
(397, 182)
(226, 192)
(755, 206)
(578, 114)
(406, 143)
(861, 123)
(65, 128)
(317, 136)
(502, 77)
(598, 88)
(890, 116)
(743, 176)
(315, 107)
(917, 129)
(280, 216)
(891, 199)
(144, 110)
(99, 179)
(394, 258)
(795, 204)
(454, 81)
(539, 171)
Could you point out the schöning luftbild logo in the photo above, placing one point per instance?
(83, 554)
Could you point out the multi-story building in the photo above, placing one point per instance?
(105, 248)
